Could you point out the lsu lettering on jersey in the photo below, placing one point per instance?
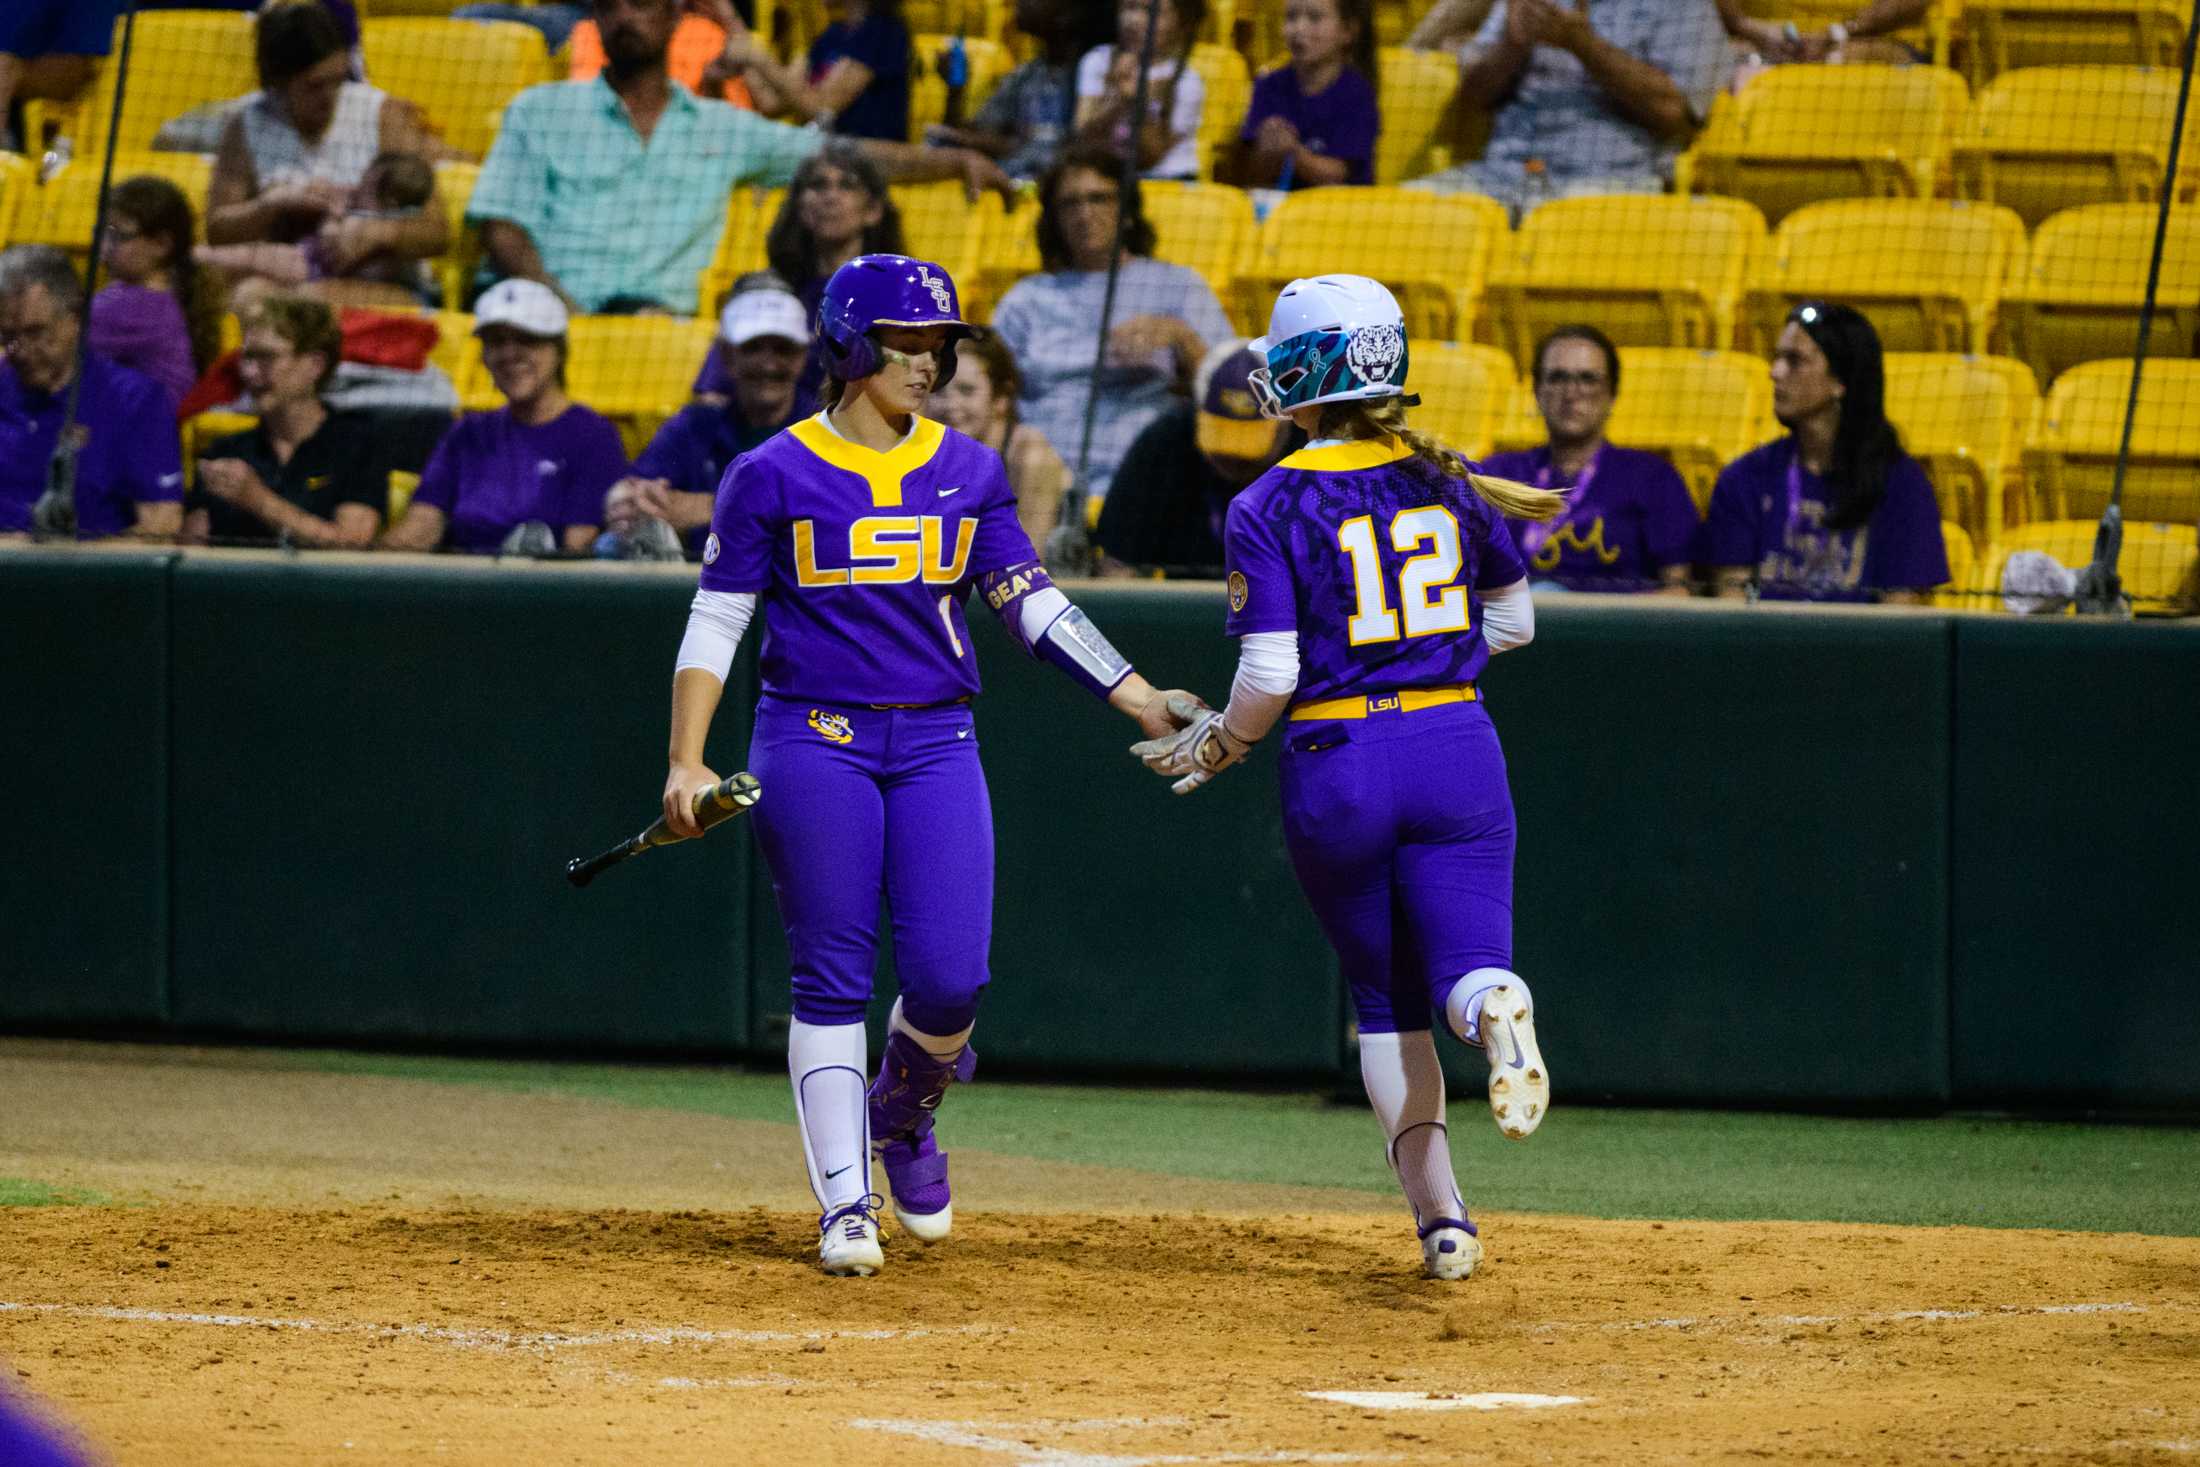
(863, 559)
(1374, 559)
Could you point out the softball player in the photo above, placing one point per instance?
(861, 531)
(1371, 577)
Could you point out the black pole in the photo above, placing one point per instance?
(1070, 548)
(2100, 588)
(54, 516)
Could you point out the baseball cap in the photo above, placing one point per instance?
(523, 305)
(754, 313)
(1230, 424)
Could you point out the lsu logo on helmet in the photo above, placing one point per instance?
(938, 287)
(832, 727)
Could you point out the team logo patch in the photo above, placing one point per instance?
(710, 549)
(1239, 591)
(938, 287)
(832, 727)
(1373, 352)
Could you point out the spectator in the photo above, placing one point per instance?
(1314, 121)
(1167, 143)
(1024, 122)
(857, 83)
(1835, 511)
(1178, 479)
(1868, 36)
(613, 192)
(675, 481)
(302, 474)
(200, 129)
(1165, 316)
(395, 187)
(157, 313)
(540, 460)
(695, 58)
(982, 404)
(129, 465)
(48, 51)
(1628, 524)
(837, 208)
(1587, 98)
(293, 155)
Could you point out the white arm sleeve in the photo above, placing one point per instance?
(1508, 617)
(1267, 676)
(716, 620)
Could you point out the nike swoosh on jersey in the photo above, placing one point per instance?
(962, 733)
(956, 490)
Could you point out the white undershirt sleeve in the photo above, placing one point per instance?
(716, 622)
(1508, 617)
(1267, 675)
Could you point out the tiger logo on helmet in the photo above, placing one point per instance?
(1331, 338)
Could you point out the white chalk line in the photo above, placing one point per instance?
(978, 1436)
(478, 1338)
(1790, 1321)
(1444, 1400)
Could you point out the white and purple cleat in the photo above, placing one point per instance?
(1450, 1248)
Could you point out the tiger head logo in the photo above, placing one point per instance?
(1374, 353)
(832, 727)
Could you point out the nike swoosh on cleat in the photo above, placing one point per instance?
(1518, 1060)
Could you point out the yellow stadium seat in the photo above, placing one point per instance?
(1928, 273)
(1229, 93)
(1958, 590)
(2086, 279)
(2071, 459)
(2003, 35)
(18, 182)
(638, 370)
(458, 352)
(2053, 137)
(1648, 271)
(1798, 134)
(749, 216)
(2159, 564)
(62, 212)
(988, 61)
(971, 18)
(1414, 91)
(938, 222)
(179, 59)
(1964, 418)
(459, 73)
(1008, 250)
(1433, 250)
(1207, 227)
(1466, 393)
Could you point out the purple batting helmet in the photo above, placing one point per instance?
(886, 290)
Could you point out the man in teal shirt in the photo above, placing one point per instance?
(612, 192)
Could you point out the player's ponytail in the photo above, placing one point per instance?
(1385, 417)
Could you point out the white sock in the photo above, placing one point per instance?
(827, 1065)
(1463, 1010)
(1405, 1084)
(939, 1046)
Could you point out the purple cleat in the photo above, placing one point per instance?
(908, 1090)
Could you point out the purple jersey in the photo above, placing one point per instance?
(129, 453)
(863, 559)
(1340, 121)
(1373, 558)
(492, 471)
(1628, 516)
(1768, 511)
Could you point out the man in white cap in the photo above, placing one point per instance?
(766, 332)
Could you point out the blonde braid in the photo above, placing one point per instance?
(1386, 418)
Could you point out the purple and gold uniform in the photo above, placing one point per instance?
(863, 561)
(1394, 795)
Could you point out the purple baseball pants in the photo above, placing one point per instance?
(1400, 827)
(862, 802)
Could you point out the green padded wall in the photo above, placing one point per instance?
(1732, 872)
(379, 776)
(2077, 860)
(84, 718)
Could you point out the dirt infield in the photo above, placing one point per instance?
(321, 1268)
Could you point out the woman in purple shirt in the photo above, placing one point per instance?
(157, 313)
(1314, 121)
(1835, 511)
(1628, 524)
(542, 458)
